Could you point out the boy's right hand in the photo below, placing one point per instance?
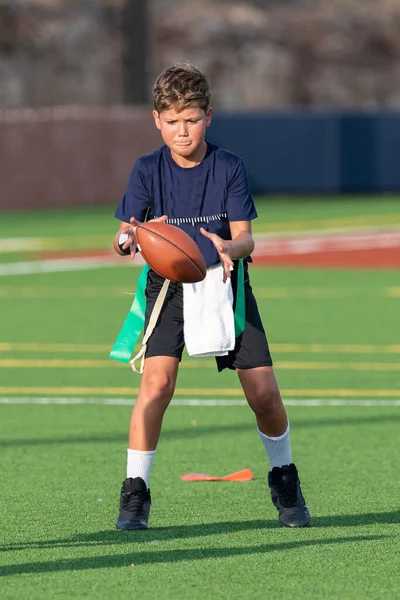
(130, 231)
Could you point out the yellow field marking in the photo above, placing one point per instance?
(58, 292)
(35, 347)
(276, 348)
(324, 293)
(342, 393)
(61, 363)
(57, 363)
(330, 223)
(337, 366)
(193, 392)
(336, 348)
(320, 293)
(263, 293)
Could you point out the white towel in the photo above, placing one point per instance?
(209, 327)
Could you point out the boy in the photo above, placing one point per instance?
(189, 177)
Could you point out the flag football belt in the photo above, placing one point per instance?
(134, 322)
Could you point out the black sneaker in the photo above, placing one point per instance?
(286, 495)
(134, 505)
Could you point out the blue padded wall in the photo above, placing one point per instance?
(314, 152)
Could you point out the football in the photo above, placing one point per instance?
(170, 252)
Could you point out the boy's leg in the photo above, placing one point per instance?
(164, 351)
(157, 387)
(156, 390)
(262, 393)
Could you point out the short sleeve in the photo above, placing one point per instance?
(240, 204)
(136, 200)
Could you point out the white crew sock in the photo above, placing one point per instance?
(139, 464)
(277, 448)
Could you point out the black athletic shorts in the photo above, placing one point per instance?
(251, 349)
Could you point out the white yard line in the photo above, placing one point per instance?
(62, 264)
(311, 402)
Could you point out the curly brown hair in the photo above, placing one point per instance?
(179, 86)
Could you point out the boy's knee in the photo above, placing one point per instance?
(158, 387)
(264, 399)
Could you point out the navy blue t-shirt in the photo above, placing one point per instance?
(209, 195)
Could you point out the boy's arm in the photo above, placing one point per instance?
(242, 243)
(135, 201)
(240, 246)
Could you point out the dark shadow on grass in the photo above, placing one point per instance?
(174, 532)
(384, 518)
(111, 537)
(139, 557)
(194, 432)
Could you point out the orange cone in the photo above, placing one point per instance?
(244, 475)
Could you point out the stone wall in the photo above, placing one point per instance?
(258, 54)
(56, 53)
(324, 54)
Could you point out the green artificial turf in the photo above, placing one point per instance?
(62, 465)
(354, 308)
(61, 476)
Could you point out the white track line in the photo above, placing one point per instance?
(302, 244)
(56, 265)
(312, 402)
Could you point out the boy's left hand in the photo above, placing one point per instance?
(223, 248)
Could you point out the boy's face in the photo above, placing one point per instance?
(183, 132)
